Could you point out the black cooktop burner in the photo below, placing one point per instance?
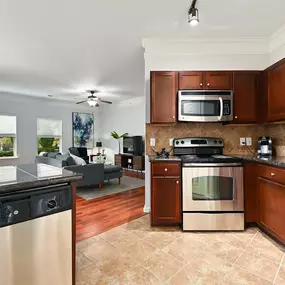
(209, 159)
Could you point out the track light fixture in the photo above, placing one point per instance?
(193, 14)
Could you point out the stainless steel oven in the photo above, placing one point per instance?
(205, 105)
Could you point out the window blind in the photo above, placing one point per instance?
(49, 128)
(7, 125)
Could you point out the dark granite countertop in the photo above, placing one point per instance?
(27, 176)
(153, 158)
(278, 161)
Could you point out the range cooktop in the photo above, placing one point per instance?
(209, 159)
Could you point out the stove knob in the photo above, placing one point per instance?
(215, 141)
(182, 142)
(220, 141)
(51, 204)
(177, 142)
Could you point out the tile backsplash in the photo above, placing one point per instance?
(230, 133)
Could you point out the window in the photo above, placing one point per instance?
(7, 136)
(49, 134)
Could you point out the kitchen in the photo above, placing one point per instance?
(257, 109)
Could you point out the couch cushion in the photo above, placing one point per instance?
(78, 160)
(112, 168)
(53, 154)
(70, 161)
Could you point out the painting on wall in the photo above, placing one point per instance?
(83, 129)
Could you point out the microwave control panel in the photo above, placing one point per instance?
(227, 108)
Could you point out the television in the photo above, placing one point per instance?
(133, 145)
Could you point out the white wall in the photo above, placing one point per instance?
(27, 109)
(124, 117)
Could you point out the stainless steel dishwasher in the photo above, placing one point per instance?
(36, 237)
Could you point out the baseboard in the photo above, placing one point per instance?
(146, 209)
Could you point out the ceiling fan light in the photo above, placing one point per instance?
(92, 102)
(97, 104)
(193, 16)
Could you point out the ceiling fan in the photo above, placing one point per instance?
(93, 100)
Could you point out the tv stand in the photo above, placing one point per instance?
(130, 161)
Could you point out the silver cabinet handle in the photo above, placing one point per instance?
(208, 84)
(201, 84)
(173, 117)
(235, 117)
(177, 182)
(165, 169)
(272, 174)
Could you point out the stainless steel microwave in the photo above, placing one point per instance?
(205, 105)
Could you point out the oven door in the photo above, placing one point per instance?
(212, 187)
(208, 108)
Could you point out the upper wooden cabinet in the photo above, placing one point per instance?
(164, 87)
(191, 80)
(219, 80)
(245, 96)
(276, 95)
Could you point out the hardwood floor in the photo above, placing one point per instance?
(99, 215)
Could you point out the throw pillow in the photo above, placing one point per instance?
(70, 161)
(78, 160)
(43, 153)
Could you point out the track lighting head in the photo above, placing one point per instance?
(193, 14)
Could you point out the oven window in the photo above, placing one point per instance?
(200, 107)
(213, 188)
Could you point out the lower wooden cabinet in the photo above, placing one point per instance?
(272, 207)
(165, 194)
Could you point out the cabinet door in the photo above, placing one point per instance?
(250, 192)
(166, 201)
(276, 95)
(271, 207)
(245, 97)
(191, 80)
(219, 80)
(164, 88)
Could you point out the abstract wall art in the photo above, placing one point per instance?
(83, 129)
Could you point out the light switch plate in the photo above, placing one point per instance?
(152, 141)
(248, 141)
(171, 142)
(242, 141)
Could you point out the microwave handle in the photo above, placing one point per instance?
(222, 107)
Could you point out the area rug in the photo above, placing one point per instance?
(112, 187)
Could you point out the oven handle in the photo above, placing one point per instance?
(211, 164)
(222, 107)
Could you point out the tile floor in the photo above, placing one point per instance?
(135, 253)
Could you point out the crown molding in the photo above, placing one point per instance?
(277, 40)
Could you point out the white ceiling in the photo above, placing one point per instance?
(62, 47)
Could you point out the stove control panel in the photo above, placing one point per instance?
(198, 142)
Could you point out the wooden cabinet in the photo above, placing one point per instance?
(191, 80)
(245, 96)
(130, 161)
(164, 88)
(276, 95)
(250, 192)
(166, 193)
(272, 207)
(218, 80)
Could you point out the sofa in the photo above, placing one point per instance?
(94, 173)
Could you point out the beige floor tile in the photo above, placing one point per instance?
(139, 229)
(211, 266)
(265, 247)
(239, 239)
(258, 265)
(176, 232)
(184, 248)
(145, 219)
(189, 276)
(224, 250)
(280, 280)
(140, 251)
(137, 276)
(163, 265)
(85, 243)
(81, 261)
(92, 276)
(239, 276)
(158, 239)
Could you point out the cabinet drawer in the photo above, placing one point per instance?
(166, 169)
(272, 173)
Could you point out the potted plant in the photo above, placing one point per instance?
(116, 136)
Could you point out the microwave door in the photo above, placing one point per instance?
(200, 109)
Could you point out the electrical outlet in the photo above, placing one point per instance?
(152, 141)
(242, 141)
(171, 142)
(248, 141)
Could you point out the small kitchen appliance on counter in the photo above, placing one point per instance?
(264, 147)
(212, 185)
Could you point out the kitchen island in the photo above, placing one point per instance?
(37, 225)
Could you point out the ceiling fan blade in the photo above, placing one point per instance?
(103, 101)
(81, 102)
